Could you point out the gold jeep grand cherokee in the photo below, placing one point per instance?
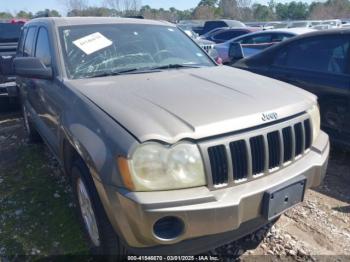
(168, 152)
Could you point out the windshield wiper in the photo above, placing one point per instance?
(142, 70)
(175, 66)
(117, 72)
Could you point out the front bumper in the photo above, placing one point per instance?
(211, 218)
(8, 89)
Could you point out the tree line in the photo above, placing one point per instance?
(244, 10)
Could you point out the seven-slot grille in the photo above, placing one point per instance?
(260, 154)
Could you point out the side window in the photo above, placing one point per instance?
(245, 40)
(281, 58)
(21, 42)
(227, 35)
(280, 37)
(28, 44)
(259, 39)
(42, 49)
(327, 55)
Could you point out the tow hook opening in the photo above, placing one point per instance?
(168, 228)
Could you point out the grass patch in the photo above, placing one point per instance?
(36, 208)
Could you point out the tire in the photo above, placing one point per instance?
(32, 134)
(101, 236)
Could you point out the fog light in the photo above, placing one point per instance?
(168, 228)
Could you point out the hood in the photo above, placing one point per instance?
(192, 103)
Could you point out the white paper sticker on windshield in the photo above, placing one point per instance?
(91, 43)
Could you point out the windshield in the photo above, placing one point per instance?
(9, 32)
(98, 50)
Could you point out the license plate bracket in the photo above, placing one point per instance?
(279, 199)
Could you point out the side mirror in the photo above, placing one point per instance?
(235, 52)
(31, 67)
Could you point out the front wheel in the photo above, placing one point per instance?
(99, 233)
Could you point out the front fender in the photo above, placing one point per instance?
(98, 140)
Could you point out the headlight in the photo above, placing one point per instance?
(314, 113)
(154, 167)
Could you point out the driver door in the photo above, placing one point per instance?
(49, 92)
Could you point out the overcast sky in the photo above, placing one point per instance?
(35, 5)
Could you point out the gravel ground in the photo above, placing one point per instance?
(318, 229)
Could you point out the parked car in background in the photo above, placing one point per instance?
(167, 152)
(212, 24)
(322, 27)
(223, 35)
(346, 25)
(9, 35)
(203, 43)
(190, 33)
(18, 21)
(334, 23)
(318, 62)
(303, 24)
(211, 32)
(255, 24)
(275, 25)
(256, 42)
(190, 24)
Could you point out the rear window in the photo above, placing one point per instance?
(10, 32)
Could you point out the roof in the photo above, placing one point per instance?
(328, 32)
(230, 23)
(247, 28)
(311, 32)
(337, 31)
(297, 31)
(67, 21)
